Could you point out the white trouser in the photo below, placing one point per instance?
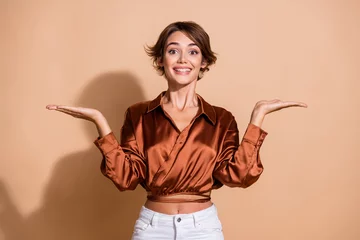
(203, 224)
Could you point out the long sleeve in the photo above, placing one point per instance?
(123, 163)
(240, 165)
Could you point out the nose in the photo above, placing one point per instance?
(182, 58)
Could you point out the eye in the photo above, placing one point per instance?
(194, 52)
(172, 51)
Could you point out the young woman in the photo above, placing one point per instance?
(178, 147)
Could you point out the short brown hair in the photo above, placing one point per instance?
(193, 31)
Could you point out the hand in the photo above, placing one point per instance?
(89, 114)
(264, 107)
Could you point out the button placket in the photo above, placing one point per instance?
(181, 138)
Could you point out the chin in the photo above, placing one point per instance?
(182, 80)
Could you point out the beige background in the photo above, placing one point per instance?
(90, 53)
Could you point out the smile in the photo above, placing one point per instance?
(182, 70)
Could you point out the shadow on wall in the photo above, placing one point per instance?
(79, 202)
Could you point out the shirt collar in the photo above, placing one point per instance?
(205, 107)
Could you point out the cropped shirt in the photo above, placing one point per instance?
(205, 155)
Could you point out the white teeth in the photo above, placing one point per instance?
(182, 70)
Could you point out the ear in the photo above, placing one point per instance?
(160, 62)
(203, 64)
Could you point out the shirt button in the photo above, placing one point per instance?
(179, 220)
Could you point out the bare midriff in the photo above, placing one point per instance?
(179, 204)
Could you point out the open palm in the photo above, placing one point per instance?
(268, 106)
(89, 114)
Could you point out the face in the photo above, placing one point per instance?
(182, 59)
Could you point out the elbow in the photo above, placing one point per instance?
(249, 181)
(246, 180)
(251, 177)
(124, 184)
(245, 183)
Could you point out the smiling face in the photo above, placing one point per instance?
(182, 60)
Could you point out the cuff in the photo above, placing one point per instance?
(107, 143)
(255, 134)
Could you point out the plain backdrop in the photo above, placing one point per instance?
(91, 54)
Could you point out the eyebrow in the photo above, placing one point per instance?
(177, 44)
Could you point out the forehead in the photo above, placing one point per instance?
(180, 38)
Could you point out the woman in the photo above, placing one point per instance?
(178, 147)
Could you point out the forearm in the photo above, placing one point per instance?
(257, 118)
(102, 126)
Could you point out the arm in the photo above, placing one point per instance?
(240, 165)
(123, 164)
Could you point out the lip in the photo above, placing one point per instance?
(182, 70)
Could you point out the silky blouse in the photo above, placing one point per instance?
(205, 155)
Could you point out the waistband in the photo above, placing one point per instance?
(155, 218)
(180, 199)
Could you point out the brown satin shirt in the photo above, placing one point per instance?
(206, 155)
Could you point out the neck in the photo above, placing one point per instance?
(181, 98)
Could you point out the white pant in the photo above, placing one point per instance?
(203, 224)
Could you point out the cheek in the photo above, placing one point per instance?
(168, 60)
(196, 59)
(197, 62)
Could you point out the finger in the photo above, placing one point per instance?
(75, 114)
(68, 108)
(72, 110)
(294, 104)
(66, 111)
(51, 107)
(56, 107)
